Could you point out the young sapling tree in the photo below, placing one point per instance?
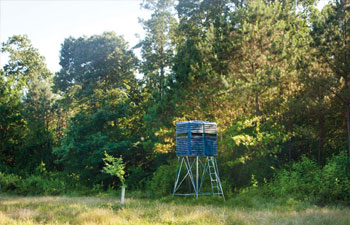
(115, 167)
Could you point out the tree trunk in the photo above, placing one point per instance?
(257, 106)
(348, 125)
(161, 81)
(290, 149)
(162, 72)
(290, 153)
(122, 195)
(321, 138)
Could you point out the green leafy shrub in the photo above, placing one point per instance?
(137, 178)
(307, 181)
(301, 181)
(304, 179)
(10, 182)
(49, 184)
(162, 182)
(37, 185)
(335, 179)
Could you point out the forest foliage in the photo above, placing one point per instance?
(273, 75)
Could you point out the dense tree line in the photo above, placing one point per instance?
(274, 75)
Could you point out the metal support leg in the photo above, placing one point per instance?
(178, 172)
(204, 166)
(197, 188)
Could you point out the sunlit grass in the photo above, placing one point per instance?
(168, 210)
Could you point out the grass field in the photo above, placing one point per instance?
(167, 210)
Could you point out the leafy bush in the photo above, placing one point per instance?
(162, 182)
(301, 181)
(10, 182)
(44, 185)
(38, 184)
(307, 181)
(335, 180)
(137, 178)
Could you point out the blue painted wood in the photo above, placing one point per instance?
(196, 138)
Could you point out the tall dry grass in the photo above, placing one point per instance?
(106, 210)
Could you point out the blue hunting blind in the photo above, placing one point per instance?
(196, 138)
(196, 148)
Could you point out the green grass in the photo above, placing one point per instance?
(242, 209)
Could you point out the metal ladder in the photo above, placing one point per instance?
(214, 177)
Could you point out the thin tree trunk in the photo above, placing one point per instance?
(321, 138)
(290, 149)
(162, 73)
(348, 125)
(257, 106)
(290, 153)
(122, 195)
(161, 80)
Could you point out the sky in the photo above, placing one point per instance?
(48, 22)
